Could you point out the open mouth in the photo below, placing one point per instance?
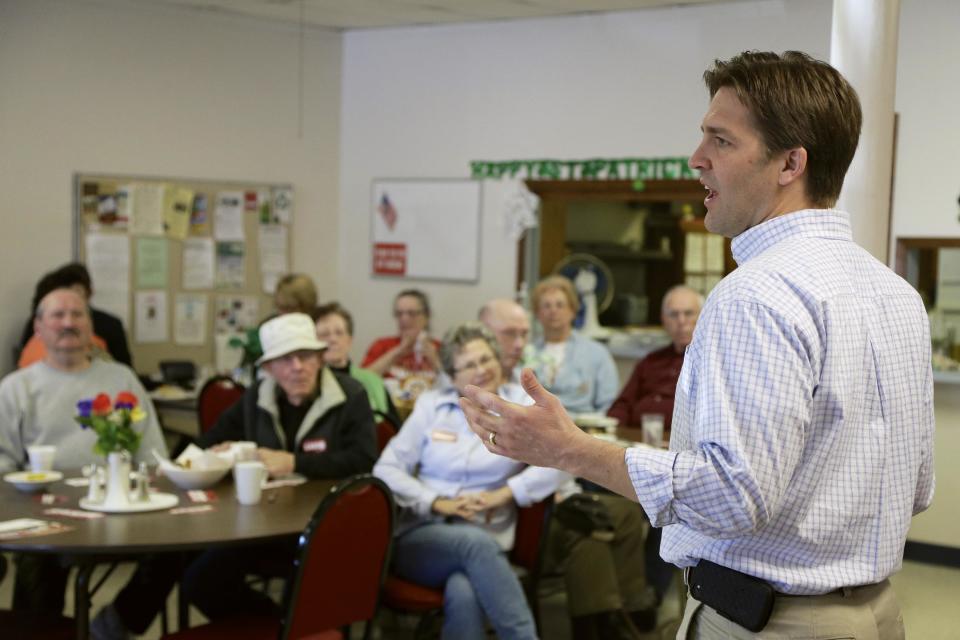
(711, 194)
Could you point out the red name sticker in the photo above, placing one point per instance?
(316, 445)
(389, 258)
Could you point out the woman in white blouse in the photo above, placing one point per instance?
(458, 501)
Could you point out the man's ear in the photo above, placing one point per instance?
(794, 166)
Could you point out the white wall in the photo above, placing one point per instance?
(927, 178)
(423, 102)
(926, 187)
(117, 87)
(938, 525)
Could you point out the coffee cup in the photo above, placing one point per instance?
(652, 424)
(41, 457)
(249, 477)
(244, 451)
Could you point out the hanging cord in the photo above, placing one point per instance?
(300, 77)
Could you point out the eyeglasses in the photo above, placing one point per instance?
(332, 333)
(472, 367)
(513, 334)
(681, 313)
(413, 313)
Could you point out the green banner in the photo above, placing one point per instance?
(636, 169)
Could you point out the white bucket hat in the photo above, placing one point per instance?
(288, 333)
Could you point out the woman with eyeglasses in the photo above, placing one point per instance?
(412, 349)
(458, 501)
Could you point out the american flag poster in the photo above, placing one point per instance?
(426, 229)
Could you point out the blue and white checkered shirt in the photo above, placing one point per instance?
(803, 427)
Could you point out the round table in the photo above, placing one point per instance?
(282, 512)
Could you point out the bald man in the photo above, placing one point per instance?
(510, 325)
(653, 383)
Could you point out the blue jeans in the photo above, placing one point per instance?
(466, 562)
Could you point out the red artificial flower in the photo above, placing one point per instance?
(126, 399)
(101, 405)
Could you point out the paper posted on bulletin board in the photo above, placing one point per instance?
(426, 229)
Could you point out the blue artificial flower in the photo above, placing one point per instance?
(84, 407)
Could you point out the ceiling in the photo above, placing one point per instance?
(370, 14)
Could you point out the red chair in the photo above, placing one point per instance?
(386, 429)
(533, 524)
(529, 545)
(385, 432)
(217, 394)
(341, 562)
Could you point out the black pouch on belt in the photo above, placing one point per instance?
(746, 600)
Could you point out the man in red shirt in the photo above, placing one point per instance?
(654, 380)
(651, 389)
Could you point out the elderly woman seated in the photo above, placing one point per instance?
(459, 510)
(576, 369)
(407, 361)
(335, 328)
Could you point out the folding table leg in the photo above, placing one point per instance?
(81, 599)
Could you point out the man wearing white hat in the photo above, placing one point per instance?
(305, 418)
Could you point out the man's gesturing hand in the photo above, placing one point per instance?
(542, 434)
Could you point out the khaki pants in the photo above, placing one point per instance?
(870, 612)
(603, 576)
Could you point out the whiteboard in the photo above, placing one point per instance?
(425, 229)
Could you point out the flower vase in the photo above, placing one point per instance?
(118, 481)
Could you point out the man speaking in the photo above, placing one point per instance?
(803, 424)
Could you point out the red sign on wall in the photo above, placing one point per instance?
(389, 259)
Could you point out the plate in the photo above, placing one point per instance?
(596, 422)
(30, 481)
(157, 502)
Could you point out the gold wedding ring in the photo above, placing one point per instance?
(492, 438)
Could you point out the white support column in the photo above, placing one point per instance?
(863, 48)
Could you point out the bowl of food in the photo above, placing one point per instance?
(199, 472)
(32, 481)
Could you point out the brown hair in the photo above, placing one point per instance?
(295, 291)
(334, 308)
(797, 101)
(420, 297)
(560, 283)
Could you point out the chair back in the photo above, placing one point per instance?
(217, 394)
(529, 546)
(385, 433)
(533, 525)
(342, 559)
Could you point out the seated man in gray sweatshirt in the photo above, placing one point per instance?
(37, 406)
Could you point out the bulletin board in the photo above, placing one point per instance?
(186, 264)
(426, 229)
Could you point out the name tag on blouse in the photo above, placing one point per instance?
(317, 445)
(443, 436)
